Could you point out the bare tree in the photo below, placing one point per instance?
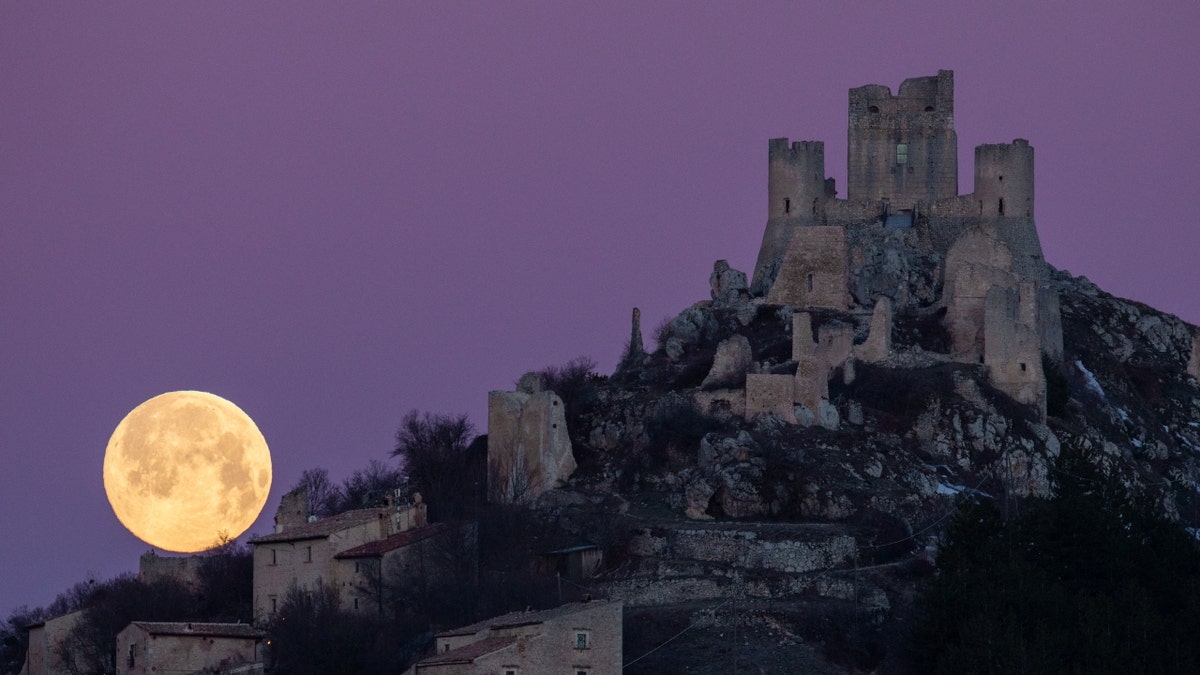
(368, 487)
(442, 462)
(325, 498)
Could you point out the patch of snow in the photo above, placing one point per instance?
(1194, 424)
(1090, 381)
(943, 489)
(1136, 443)
(1124, 415)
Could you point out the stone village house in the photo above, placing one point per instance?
(582, 638)
(350, 551)
(146, 647)
(45, 640)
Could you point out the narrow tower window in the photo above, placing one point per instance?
(1002, 206)
(810, 283)
(787, 205)
(902, 153)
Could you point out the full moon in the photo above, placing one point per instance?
(185, 470)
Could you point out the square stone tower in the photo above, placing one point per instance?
(903, 148)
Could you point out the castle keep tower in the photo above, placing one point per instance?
(903, 148)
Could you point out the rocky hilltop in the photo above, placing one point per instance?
(786, 461)
(821, 525)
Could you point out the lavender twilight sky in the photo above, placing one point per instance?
(332, 213)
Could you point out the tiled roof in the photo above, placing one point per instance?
(324, 527)
(234, 630)
(377, 548)
(468, 653)
(513, 619)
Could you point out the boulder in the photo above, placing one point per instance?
(728, 286)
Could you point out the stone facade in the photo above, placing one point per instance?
(145, 647)
(45, 641)
(583, 637)
(529, 449)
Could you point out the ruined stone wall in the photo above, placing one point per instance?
(1193, 368)
(183, 569)
(814, 271)
(878, 344)
(746, 548)
(292, 511)
(529, 449)
(977, 263)
(1012, 344)
(903, 148)
(770, 394)
(1049, 322)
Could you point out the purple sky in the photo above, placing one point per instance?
(332, 213)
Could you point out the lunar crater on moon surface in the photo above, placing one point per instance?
(185, 469)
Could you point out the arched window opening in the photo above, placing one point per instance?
(873, 109)
(928, 108)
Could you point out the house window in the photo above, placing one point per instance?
(902, 153)
(307, 554)
(273, 560)
(356, 603)
(130, 661)
(582, 671)
(511, 670)
(810, 283)
(274, 604)
(446, 647)
(583, 639)
(1022, 367)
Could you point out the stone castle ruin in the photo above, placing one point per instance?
(902, 240)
